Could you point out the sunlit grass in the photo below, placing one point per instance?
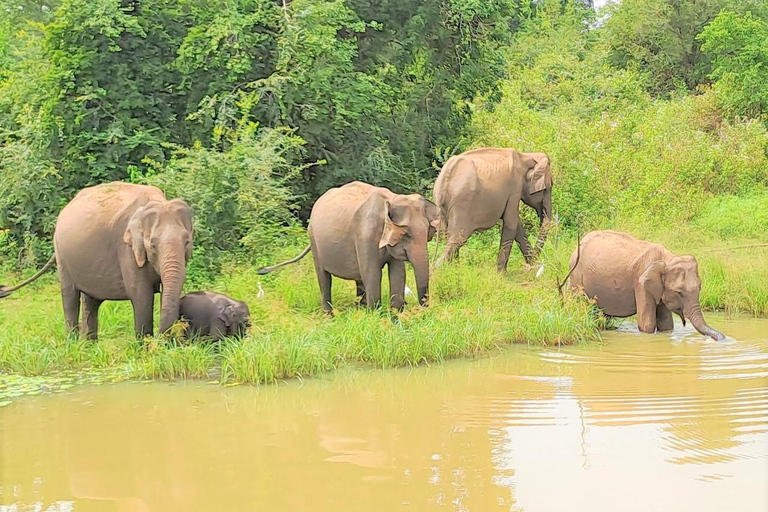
(473, 310)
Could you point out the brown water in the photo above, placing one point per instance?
(641, 423)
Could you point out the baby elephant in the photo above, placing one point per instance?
(214, 315)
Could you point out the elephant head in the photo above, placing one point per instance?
(676, 284)
(410, 221)
(236, 317)
(160, 233)
(537, 192)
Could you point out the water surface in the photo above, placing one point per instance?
(642, 422)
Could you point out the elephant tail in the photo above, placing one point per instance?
(267, 270)
(560, 285)
(7, 290)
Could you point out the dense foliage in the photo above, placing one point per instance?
(250, 109)
(111, 90)
(620, 154)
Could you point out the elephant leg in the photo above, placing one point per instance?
(70, 299)
(324, 280)
(451, 251)
(372, 282)
(143, 309)
(507, 240)
(646, 310)
(664, 321)
(360, 292)
(509, 228)
(91, 316)
(396, 270)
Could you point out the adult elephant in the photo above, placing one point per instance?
(119, 241)
(477, 188)
(627, 276)
(356, 229)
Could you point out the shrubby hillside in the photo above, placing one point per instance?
(651, 109)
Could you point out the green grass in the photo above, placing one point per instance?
(473, 310)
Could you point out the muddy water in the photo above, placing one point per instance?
(640, 423)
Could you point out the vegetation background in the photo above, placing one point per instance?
(653, 111)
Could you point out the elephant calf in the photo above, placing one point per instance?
(356, 229)
(214, 315)
(627, 276)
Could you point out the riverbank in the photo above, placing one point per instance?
(473, 311)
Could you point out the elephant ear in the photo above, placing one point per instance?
(185, 212)
(134, 236)
(540, 177)
(433, 216)
(392, 233)
(652, 280)
(227, 314)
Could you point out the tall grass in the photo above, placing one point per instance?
(473, 310)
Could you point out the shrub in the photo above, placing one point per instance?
(241, 203)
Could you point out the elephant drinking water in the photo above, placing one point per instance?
(120, 241)
(627, 276)
(356, 229)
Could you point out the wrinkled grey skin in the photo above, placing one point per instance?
(627, 276)
(356, 229)
(478, 188)
(120, 241)
(214, 315)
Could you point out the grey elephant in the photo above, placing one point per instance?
(214, 315)
(627, 276)
(477, 188)
(120, 241)
(356, 229)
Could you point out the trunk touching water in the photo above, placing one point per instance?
(693, 312)
(420, 263)
(173, 272)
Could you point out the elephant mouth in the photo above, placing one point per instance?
(681, 315)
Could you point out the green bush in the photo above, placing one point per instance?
(618, 155)
(240, 196)
(738, 45)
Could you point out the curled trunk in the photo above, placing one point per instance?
(172, 274)
(693, 313)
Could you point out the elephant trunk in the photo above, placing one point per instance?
(420, 263)
(693, 312)
(545, 218)
(173, 272)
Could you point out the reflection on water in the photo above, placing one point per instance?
(640, 423)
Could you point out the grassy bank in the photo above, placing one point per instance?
(473, 310)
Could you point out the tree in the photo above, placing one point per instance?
(659, 38)
(738, 46)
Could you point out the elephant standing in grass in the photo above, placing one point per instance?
(356, 229)
(214, 315)
(477, 188)
(119, 241)
(627, 276)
